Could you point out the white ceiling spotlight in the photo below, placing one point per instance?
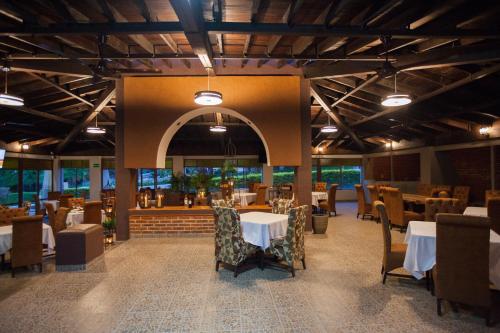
(6, 98)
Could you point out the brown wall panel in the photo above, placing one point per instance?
(497, 167)
(153, 104)
(406, 167)
(381, 168)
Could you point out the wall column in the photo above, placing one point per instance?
(303, 178)
(177, 164)
(126, 179)
(95, 177)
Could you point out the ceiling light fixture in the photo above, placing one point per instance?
(6, 98)
(396, 99)
(218, 128)
(388, 144)
(208, 97)
(96, 129)
(25, 146)
(329, 128)
(484, 130)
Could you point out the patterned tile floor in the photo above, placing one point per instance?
(169, 285)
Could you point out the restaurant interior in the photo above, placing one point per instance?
(249, 166)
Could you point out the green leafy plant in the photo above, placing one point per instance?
(201, 180)
(228, 170)
(109, 224)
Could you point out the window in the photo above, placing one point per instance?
(345, 172)
(75, 177)
(283, 174)
(108, 179)
(155, 178)
(9, 182)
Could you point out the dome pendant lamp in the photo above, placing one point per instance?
(328, 128)
(6, 98)
(396, 99)
(96, 129)
(208, 97)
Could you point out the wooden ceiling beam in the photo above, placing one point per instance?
(61, 89)
(40, 114)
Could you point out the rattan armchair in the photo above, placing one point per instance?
(27, 246)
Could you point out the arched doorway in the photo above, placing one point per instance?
(172, 129)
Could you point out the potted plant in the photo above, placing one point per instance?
(109, 226)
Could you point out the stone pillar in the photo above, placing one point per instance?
(126, 179)
(95, 168)
(303, 178)
(178, 164)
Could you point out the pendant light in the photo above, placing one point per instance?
(208, 97)
(6, 98)
(396, 99)
(328, 128)
(218, 127)
(96, 129)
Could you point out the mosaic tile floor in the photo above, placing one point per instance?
(169, 285)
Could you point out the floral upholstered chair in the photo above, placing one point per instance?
(230, 247)
(281, 206)
(291, 247)
(223, 203)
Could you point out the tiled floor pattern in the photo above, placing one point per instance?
(169, 285)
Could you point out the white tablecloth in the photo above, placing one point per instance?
(54, 203)
(259, 228)
(421, 252)
(6, 238)
(316, 196)
(76, 217)
(245, 198)
(476, 211)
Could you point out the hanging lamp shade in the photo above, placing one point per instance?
(95, 129)
(396, 99)
(208, 97)
(218, 128)
(328, 128)
(9, 99)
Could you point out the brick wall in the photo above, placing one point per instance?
(406, 167)
(162, 225)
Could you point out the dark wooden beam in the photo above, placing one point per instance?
(40, 114)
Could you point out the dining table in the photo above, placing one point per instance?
(414, 198)
(421, 252)
(318, 196)
(476, 211)
(6, 238)
(259, 228)
(245, 199)
(75, 216)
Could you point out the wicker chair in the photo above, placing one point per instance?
(364, 209)
(27, 246)
(92, 212)
(490, 194)
(230, 247)
(320, 187)
(374, 196)
(434, 206)
(494, 214)
(398, 216)
(329, 205)
(460, 274)
(291, 247)
(261, 195)
(64, 200)
(51, 213)
(60, 220)
(394, 253)
(461, 193)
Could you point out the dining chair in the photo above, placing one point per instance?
(398, 216)
(64, 200)
(394, 253)
(490, 194)
(425, 189)
(27, 248)
(329, 205)
(92, 212)
(53, 195)
(76, 202)
(494, 214)
(51, 213)
(461, 273)
(374, 196)
(38, 206)
(261, 195)
(60, 220)
(441, 191)
(462, 193)
(230, 247)
(364, 209)
(291, 247)
(281, 206)
(320, 187)
(434, 206)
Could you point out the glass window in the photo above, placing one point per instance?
(44, 183)
(30, 184)
(163, 177)
(345, 176)
(283, 174)
(76, 181)
(146, 178)
(331, 175)
(108, 179)
(246, 175)
(351, 175)
(9, 187)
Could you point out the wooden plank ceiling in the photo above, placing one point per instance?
(65, 56)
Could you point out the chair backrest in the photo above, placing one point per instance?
(490, 194)
(38, 208)
(300, 227)
(51, 213)
(424, 189)
(252, 187)
(360, 196)
(395, 205)
(223, 203)
(332, 197)
(494, 214)
(374, 196)
(228, 238)
(60, 220)
(226, 190)
(281, 206)
(83, 194)
(92, 212)
(53, 195)
(76, 202)
(434, 206)
(7, 214)
(320, 187)
(461, 193)
(462, 259)
(27, 246)
(64, 200)
(386, 230)
(437, 189)
(261, 195)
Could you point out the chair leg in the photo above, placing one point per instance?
(261, 259)
(304, 262)
(385, 277)
(236, 271)
(382, 271)
(487, 317)
(217, 265)
(292, 270)
(357, 215)
(13, 272)
(440, 313)
(40, 265)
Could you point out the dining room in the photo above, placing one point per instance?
(249, 166)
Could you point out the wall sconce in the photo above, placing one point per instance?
(485, 131)
(320, 149)
(388, 144)
(25, 146)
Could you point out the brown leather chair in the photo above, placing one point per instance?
(74, 202)
(462, 193)
(60, 220)
(261, 195)
(51, 213)
(394, 253)
(398, 216)
(38, 206)
(425, 189)
(494, 214)
(53, 195)
(92, 212)
(27, 246)
(364, 208)
(434, 206)
(374, 196)
(461, 273)
(438, 189)
(64, 200)
(7, 214)
(329, 205)
(490, 194)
